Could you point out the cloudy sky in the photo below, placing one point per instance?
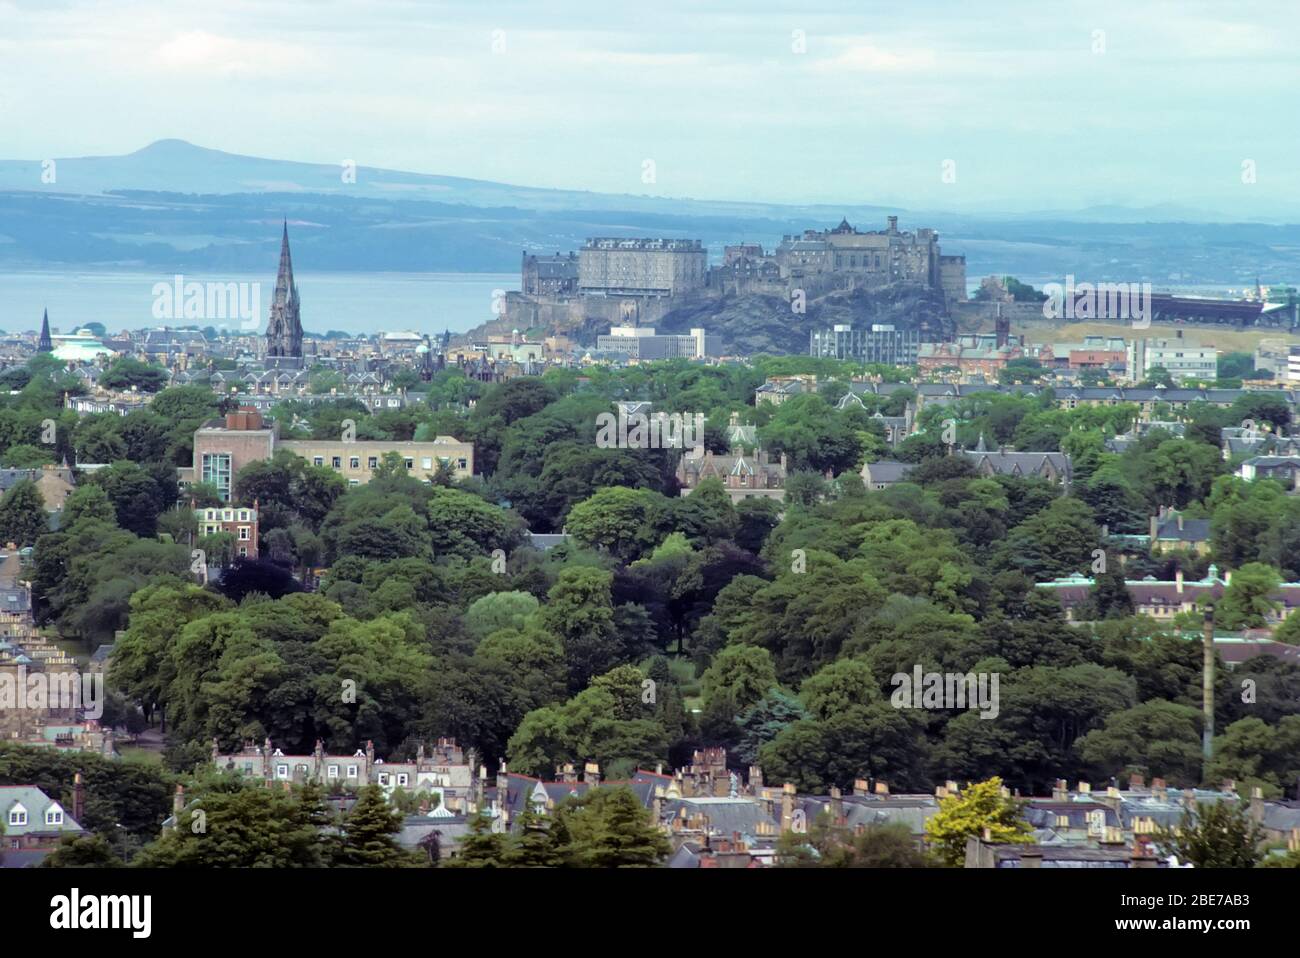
(1047, 104)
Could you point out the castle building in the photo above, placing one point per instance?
(284, 327)
(874, 258)
(549, 275)
(641, 267)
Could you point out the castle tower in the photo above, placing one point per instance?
(284, 327)
(45, 345)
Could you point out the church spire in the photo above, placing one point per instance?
(45, 344)
(284, 327)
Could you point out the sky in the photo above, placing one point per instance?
(960, 106)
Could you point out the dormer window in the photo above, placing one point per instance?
(18, 815)
(54, 815)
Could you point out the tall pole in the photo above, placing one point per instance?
(1207, 693)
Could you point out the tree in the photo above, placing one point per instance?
(482, 847)
(1156, 738)
(1247, 602)
(82, 851)
(25, 456)
(240, 827)
(611, 829)
(1218, 835)
(533, 845)
(87, 502)
(617, 520)
(499, 610)
(23, 518)
(128, 373)
(368, 833)
(742, 673)
(580, 613)
(979, 807)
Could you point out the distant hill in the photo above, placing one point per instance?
(173, 206)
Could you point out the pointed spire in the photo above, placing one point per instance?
(284, 327)
(45, 344)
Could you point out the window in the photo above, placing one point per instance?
(282, 771)
(318, 460)
(54, 815)
(372, 462)
(243, 533)
(354, 462)
(337, 462)
(17, 815)
(243, 551)
(426, 462)
(352, 771)
(332, 772)
(410, 463)
(383, 778)
(402, 779)
(462, 463)
(215, 469)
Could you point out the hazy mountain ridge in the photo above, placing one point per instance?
(174, 206)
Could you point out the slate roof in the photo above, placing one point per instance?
(725, 815)
(1193, 530)
(36, 803)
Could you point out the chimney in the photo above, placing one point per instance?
(1257, 804)
(1031, 858)
(882, 788)
(837, 806)
(503, 782)
(1178, 581)
(1136, 781)
(1061, 791)
(1085, 788)
(370, 755)
(860, 787)
(787, 806)
(178, 801)
(591, 774)
(1158, 789)
(756, 778)
(78, 797)
(1180, 522)
(1141, 858)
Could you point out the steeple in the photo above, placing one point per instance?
(284, 327)
(45, 345)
